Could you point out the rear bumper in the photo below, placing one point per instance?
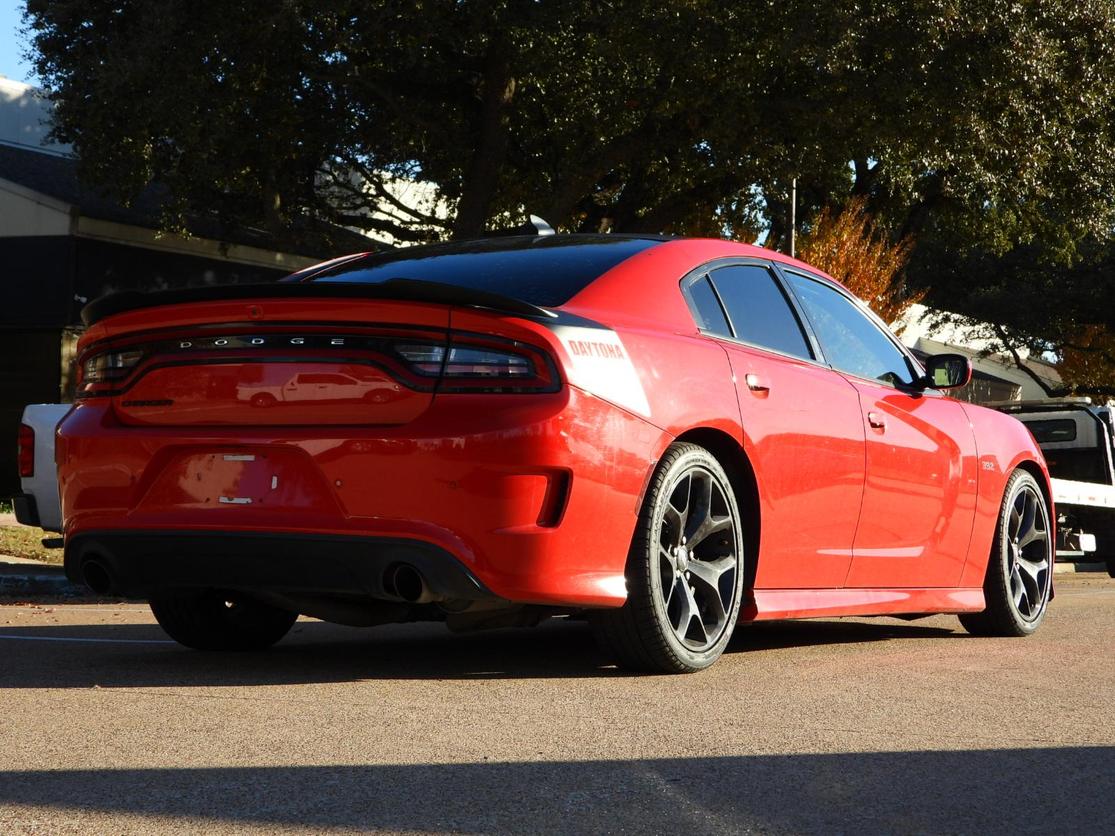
(536, 496)
(139, 564)
(26, 510)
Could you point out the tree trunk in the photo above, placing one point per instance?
(491, 147)
(920, 212)
(1049, 391)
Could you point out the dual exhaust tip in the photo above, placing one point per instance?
(400, 580)
(96, 576)
(404, 581)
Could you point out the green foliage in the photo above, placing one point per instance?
(982, 129)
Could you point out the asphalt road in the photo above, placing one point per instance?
(843, 726)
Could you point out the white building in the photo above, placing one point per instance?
(63, 244)
(996, 376)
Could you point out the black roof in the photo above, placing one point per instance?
(56, 176)
(543, 270)
(522, 275)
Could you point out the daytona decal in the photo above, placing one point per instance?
(599, 364)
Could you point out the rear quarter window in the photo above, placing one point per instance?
(759, 311)
(706, 309)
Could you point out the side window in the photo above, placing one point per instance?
(759, 311)
(706, 308)
(851, 341)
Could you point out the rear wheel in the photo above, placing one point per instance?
(211, 620)
(1020, 570)
(684, 570)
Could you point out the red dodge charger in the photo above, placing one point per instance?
(665, 436)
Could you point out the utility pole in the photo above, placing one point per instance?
(794, 218)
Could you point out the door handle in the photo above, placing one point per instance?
(755, 383)
(876, 420)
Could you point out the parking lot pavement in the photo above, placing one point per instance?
(837, 726)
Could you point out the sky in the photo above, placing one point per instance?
(11, 44)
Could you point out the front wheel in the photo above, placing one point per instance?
(684, 571)
(1020, 571)
(212, 620)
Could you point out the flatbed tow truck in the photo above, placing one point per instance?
(1078, 440)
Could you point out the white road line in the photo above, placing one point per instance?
(75, 639)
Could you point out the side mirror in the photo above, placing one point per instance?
(947, 371)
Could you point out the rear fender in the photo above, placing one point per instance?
(1003, 445)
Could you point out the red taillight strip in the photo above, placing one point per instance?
(26, 451)
(378, 347)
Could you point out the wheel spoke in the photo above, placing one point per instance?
(668, 595)
(699, 508)
(686, 609)
(1031, 568)
(696, 616)
(1031, 583)
(676, 520)
(666, 556)
(1031, 565)
(1029, 514)
(709, 525)
(708, 572)
(706, 576)
(1032, 534)
(1017, 589)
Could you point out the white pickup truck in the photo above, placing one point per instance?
(1078, 440)
(38, 504)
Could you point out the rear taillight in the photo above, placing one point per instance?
(26, 453)
(475, 364)
(109, 366)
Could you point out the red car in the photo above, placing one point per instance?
(666, 436)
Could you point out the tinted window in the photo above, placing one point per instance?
(706, 308)
(1045, 432)
(545, 271)
(850, 340)
(759, 310)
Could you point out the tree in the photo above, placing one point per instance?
(1032, 303)
(848, 246)
(1088, 361)
(691, 116)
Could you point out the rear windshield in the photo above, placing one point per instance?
(542, 271)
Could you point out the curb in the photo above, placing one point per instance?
(1078, 568)
(24, 579)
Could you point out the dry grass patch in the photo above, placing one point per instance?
(25, 541)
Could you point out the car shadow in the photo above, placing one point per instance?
(965, 791)
(140, 655)
(778, 635)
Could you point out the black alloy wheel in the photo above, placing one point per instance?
(1019, 578)
(684, 571)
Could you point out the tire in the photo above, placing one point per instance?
(263, 400)
(685, 570)
(1020, 570)
(211, 620)
(1111, 567)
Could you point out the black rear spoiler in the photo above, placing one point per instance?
(402, 290)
